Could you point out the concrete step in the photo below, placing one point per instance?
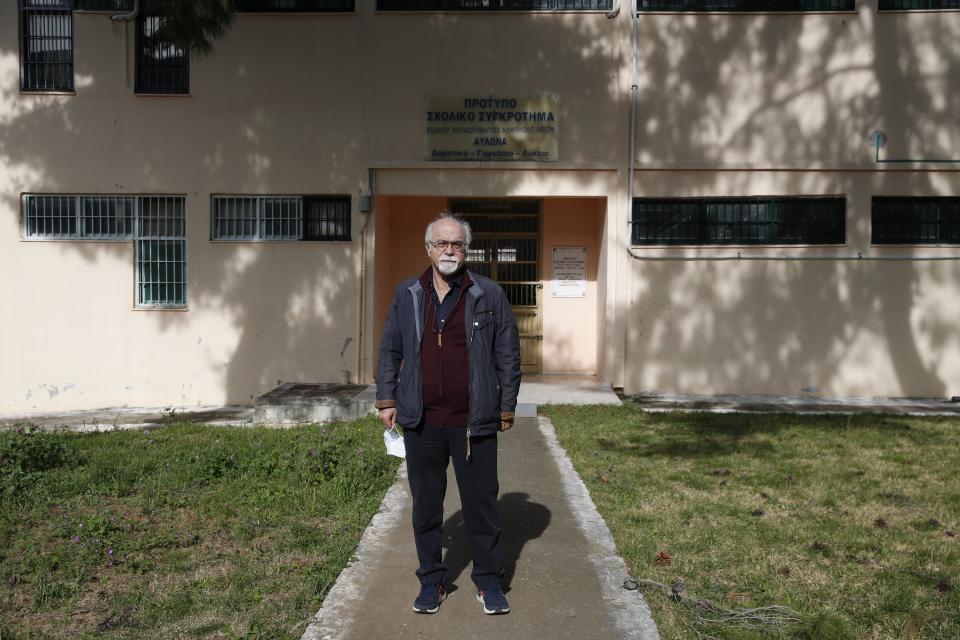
(301, 402)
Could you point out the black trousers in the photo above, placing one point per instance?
(428, 450)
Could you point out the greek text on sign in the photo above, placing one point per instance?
(492, 128)
(569, 272)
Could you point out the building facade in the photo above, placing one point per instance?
(705, 197)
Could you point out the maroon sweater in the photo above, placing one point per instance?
(443, 358)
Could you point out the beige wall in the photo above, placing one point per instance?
(789, 90)
(308, 103)
(570, 324)
(851, 327)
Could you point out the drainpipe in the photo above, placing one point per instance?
(366, 207)
(127, 17)
(634, 90)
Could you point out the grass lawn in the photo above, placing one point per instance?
(849, 519)
(186, 531)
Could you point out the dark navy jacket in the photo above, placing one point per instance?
(493, 355)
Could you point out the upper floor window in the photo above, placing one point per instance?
(162, 66)
(293, 6)
(46, 45)
(897, 220)
(748, 221)
(494, 5)
(918, 5)
(280, 218)
(753, 6)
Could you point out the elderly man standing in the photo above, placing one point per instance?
(449, 374)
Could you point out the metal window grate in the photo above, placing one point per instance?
(918, 5)
(927, 220)
(494, 5)
(326, 218)
(107, 217)
(755, 6)
(76, 217)
(499, 216)
(312, 218)
(161, 248)
(234, 218)
(50, 216)
(281, 218)
(162, 67)
(156, 224)
(751, 221)
(296, 6)
(46, 45)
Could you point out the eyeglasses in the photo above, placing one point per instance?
(441, 245)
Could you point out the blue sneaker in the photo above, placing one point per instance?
(494, 602)
(431, 595)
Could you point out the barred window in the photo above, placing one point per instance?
(72, 217)
(755, 6)
(929, 220)
(294, 6)
(494, 5)
(162, 66)
(918, 5)
(161, 249)
(749, 221)
(156, 224)
(313, 218)
(46, 45)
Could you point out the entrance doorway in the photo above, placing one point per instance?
(506, 248)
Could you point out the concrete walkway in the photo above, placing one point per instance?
(796, 404)
(564, 576)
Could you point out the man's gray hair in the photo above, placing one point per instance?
(447, 215)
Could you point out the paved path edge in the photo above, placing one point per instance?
(631, 612)
(336, 613)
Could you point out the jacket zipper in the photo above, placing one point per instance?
(470, 344)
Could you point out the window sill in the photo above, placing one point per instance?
(819, 12)
(297, 13)
(45, 239)
(58, 92)
(160, 309)
(162, 95)
(738, 247)
(488, 12)
(275, 241)
(906, 245)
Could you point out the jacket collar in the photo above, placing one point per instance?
(466, 280)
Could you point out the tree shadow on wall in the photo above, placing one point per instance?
(714, 89)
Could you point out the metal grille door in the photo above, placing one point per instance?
(506, 248)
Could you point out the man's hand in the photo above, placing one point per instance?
(388, 417)
(504, 425)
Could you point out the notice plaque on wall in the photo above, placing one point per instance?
(569, 272)
(500, 128)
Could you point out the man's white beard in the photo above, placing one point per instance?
(448, 267)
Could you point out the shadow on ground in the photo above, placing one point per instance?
(685, 435)
(521, 522)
